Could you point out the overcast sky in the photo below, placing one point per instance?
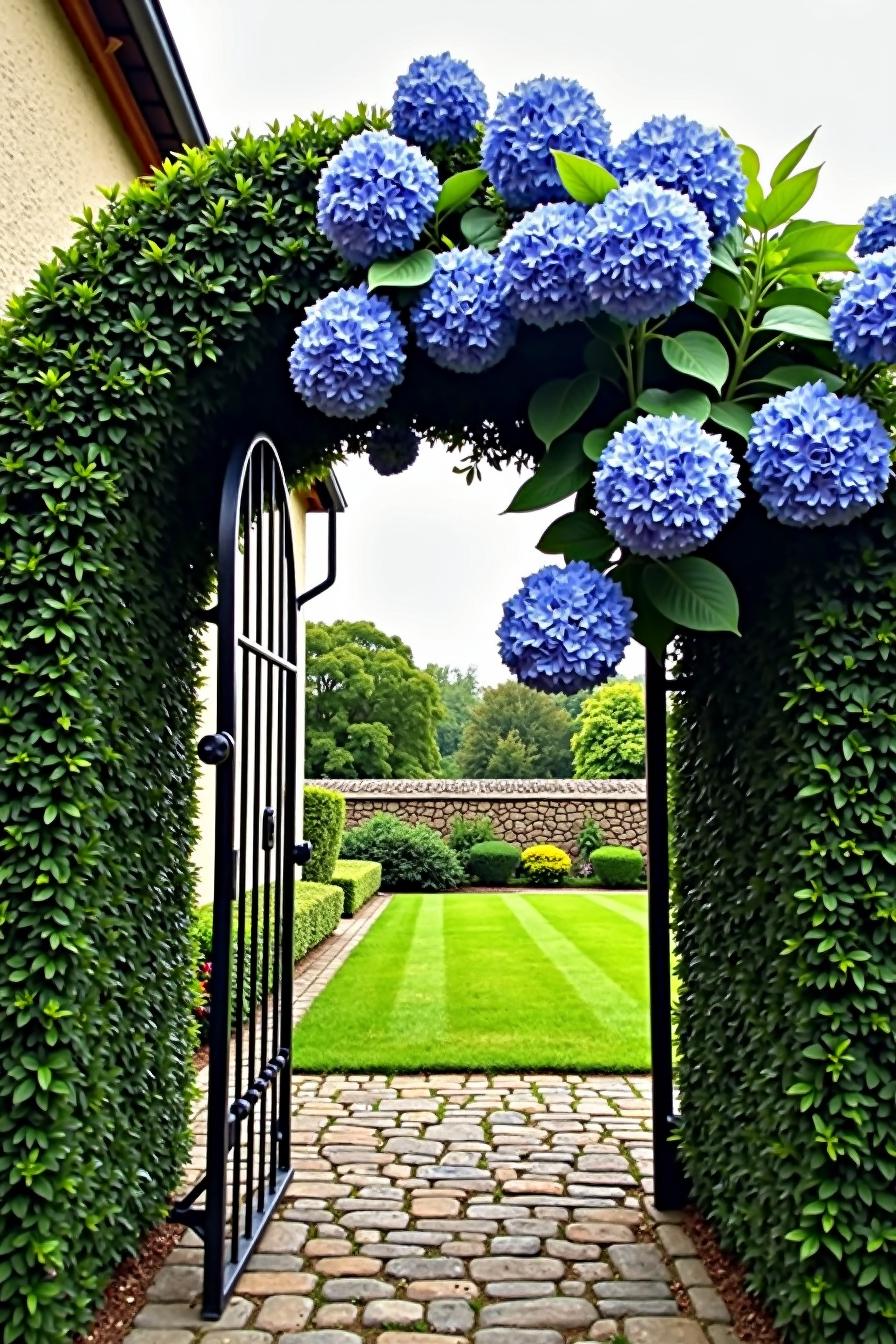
(423, 555)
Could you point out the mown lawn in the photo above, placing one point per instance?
(489, 981)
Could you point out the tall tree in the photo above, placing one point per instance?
(370, 713)
(512, 758)
(460, 694)
(541, 723)
(608, 742)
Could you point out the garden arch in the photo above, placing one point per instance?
(130, 365)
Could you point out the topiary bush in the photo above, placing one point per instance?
(413, 858)
(617, 866)
(467, 832)
(324, 824)
(358, 879)
(494, 862)
(544, 865)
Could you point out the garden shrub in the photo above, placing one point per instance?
(545, 865)
(318, 910)
(494, 862)
(467, 832)
(413, 858)
(359, 879)
(617, 866)
(590, 837)
(324, 823)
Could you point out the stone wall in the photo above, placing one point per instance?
(525, 811)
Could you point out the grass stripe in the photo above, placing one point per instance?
(423, 996)
(636, 911)
(617, 945)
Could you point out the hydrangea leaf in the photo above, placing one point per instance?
(749, 161)
(793, 375)
(556, 406)
(820, 263)
(585, 180)
(562, 471)
(698, 354)
(687, 402)
(481, 228)
(805, 296)
(794, 320)
(732, 415)
(596, 440)
(408, 272)
(694, 593)
(577, 536)
(789, 196)
(600, 359)
(792, 158)
(803, 236)
(458, 189)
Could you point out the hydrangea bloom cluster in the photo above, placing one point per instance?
(863, 320)
(878, 231)
(375, 197)
(665, 487)
(438, 100)
(566, 629)
(818, 459)
(460, 318)
(645, 252)
(689, 157)
(536, 117)
(392, 449)
(540, 266)
(349, 353)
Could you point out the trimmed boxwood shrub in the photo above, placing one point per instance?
(617, 866)
(494, 862)
(467, 832)
(544, 865)
(359, 879)
(324, 813)
(413, 858)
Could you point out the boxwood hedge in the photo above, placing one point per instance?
(324, 823)
(358, 879)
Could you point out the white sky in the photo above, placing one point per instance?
(422, 555)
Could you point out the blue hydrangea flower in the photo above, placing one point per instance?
(392, 449)
(566, 629)
(665, 487)
(863, 319)
(689, 157)
(375, 197)
(646, 251)
(460, 318)
(349, 353)
(529, 122)
(540, 266)
(438, 101)
(878, 231)
(818, 459)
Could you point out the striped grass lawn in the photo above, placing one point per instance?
(489, 981)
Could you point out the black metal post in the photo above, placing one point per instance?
(669, 1177)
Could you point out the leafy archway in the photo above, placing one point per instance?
(129, 365)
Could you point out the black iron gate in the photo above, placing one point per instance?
(254, 753)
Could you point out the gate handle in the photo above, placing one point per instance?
(302, 853)
(215, 748)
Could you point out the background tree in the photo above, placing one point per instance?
(541, 724)
(608, 742)
(460, 694)
(512, 758)
(370, 713)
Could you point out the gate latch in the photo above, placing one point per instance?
(215, 748)
(302, 853)
(267, 828)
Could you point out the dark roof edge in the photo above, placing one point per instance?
(155, 37)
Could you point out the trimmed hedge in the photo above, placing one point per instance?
(359, 879)
(617, 866)
(324, 813)
(494, 861)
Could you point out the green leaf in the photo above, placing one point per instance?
(793, 375)
(583, 179)
(789, 196)
(749, 161)
(596, 440)
(599, 358)
(402, 272)
(481, 228)
(688, 402)
(792, 158)
(722, 257)
(806, 296)
(822, 262)
(693, 593)
(651, 629)
(562, 471)
(803, 236)
(699, 355)
(577, 536)
(556, 406)
(732, 415)
(794, 320)
(459, 188)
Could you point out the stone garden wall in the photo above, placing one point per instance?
(525, 811)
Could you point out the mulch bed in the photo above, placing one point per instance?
(126, 1294)
(751, 1322)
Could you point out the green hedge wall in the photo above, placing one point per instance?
(785, 748)
(324, 823)
(359, 879)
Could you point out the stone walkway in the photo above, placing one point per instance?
(511, 1209)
